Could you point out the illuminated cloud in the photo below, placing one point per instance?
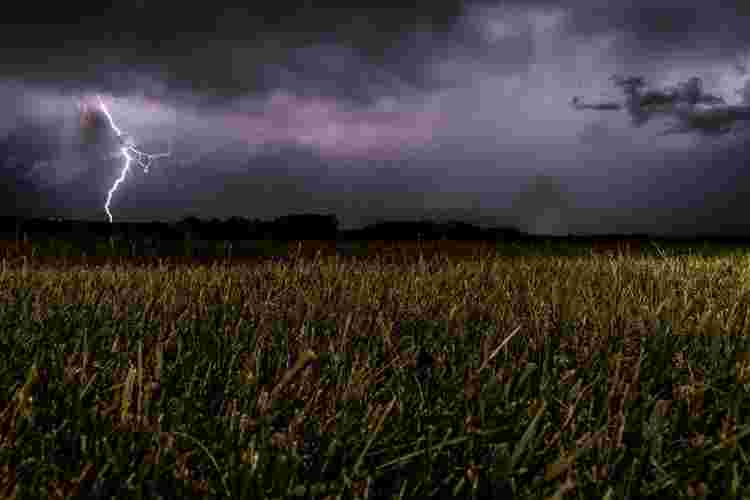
(323, 124)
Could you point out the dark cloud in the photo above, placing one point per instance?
(213, 49)
(695, 110)
(451, 109)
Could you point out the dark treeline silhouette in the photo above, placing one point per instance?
(239, 236)
(429, 231)
(285, 228)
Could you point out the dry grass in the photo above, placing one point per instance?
(553, 363)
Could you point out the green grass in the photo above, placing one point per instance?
(622, 378)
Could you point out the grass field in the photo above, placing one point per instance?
(449, 374)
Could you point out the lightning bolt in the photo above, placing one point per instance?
(129, 152)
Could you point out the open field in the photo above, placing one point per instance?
(140, 251)
(453, 374)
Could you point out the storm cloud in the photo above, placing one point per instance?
(457, 112)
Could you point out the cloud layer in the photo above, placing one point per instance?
(462, 113)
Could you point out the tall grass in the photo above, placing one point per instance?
(599, 376)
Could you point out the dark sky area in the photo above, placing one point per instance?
(449, 110)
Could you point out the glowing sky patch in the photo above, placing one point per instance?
(323, 124)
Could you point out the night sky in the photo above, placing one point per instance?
(450, 111)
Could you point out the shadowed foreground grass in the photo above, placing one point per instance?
(487, 377)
